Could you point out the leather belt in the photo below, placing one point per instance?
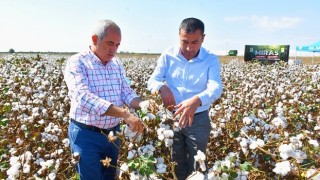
(94, 128)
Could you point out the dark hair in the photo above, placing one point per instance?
(190, 25)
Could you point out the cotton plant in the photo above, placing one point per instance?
(250, 142)
(227, 168)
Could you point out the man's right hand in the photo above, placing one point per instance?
(134, 122)
(167, 97)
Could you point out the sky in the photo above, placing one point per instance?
(150, 26)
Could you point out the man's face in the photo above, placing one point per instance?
(190, 43)
(106, 48)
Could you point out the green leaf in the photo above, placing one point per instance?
(307, 163)
(246, 166)
(267, 157)
(4, 122)
(235, 134)
(133, 165)
(233, 174)
(7, 108)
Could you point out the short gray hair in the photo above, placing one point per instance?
(102, 26)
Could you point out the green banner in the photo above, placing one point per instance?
(266, 52)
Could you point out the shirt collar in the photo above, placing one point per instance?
(94, 58)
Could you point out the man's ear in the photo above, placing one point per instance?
(203, 36)
(94, 39)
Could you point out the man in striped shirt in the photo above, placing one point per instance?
(98, 89)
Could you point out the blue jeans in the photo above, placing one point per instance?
(188, 141)
(93, 147)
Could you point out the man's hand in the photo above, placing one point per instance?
(134, 122)
(187, 109)
(167, 97)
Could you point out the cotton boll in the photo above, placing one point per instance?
(151, 116)
(200, 157)
(286, 151)
(244, 142)
(160, 160)
(222, 125)
(311, 172)
(300, 156)
(310, 118)
(314, 143)
(262, 114)
(130, 146)
(215, 133)
(253, 145)
(124, 168)
(52, 176)
(66, 142)
(203, 166)
(168, 142)
(161, 137)
(196, 176)
(13, 171)
(131, 154)
(282, 168)
(247, 120)
(168, 133)
(278, 122)
(26, 168)
(19, 141)
(161, 168)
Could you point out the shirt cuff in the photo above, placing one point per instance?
(203, 98)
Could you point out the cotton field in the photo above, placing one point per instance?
(266, 125)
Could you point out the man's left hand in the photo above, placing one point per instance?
(187, 109)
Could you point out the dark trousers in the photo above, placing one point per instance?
(188, 141)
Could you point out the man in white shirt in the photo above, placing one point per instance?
(188, 79)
